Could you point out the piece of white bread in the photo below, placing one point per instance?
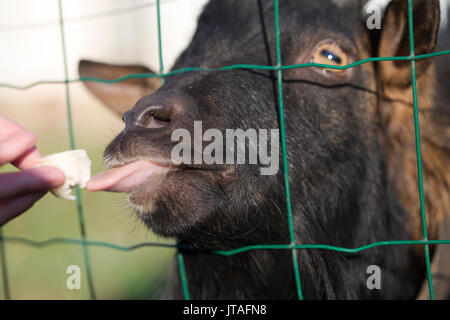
(75, 164)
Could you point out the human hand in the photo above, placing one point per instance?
(20, 190)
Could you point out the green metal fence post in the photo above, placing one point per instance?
(180, 258)
(284, 151)
(72, 146)
(4, 267)
(418, 149)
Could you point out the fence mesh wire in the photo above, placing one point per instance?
(293, 246)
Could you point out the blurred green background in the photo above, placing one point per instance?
(39, 273)
(114, 31)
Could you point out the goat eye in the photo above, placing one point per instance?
(331, 54)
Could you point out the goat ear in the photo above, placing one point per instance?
(120, 96)
(394, 38)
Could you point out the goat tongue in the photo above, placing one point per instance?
(124, 178)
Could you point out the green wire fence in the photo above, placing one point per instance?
(293, 246)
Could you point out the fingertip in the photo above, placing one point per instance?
(14, 146)
(29, 159)
(31, 136)
(58, 177)
(53, 175)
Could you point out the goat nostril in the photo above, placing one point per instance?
(153, 118)
(157, 123)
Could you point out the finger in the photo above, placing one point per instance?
(10, 209)
(28, 160)
(15, 145)
(14, 184)
(8, 127)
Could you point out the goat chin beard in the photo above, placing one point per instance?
(142, 209)
(142, 199)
